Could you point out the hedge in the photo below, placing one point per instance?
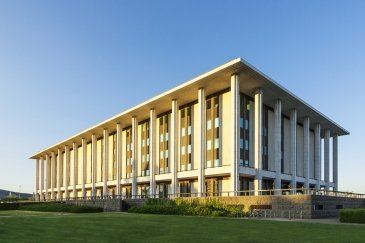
(211, 207)
(50, 207)
(350, 215)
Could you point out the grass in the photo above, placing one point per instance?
(26, 226)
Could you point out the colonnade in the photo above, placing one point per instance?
(52, 180)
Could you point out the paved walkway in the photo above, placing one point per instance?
(315, 221)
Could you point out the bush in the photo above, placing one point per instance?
(352, 215)
(9, 206)
(194, 207)
(59, 207)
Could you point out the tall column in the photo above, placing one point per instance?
(119, 156)
(277, 146)
(173, 148)
(235, 132)
(48, 175)
(83, 166)
(201, 138)
(306, 151)
(53, 175)
(67, 172)
(42, 180)
(317, 154)
(335, 161)
(36, 179)
(76, 162)
(106, 162)
(258, 140)
(152, 152)
(59, 173)
(134, 157)
(93, 165)
(293, 149)
(327, 135)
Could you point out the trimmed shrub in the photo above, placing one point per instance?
(194, 207)
(59, 207)
(350, 215)
(9, 206)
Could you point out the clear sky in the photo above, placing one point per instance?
(67, 65)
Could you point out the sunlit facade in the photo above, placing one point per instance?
(227, 131)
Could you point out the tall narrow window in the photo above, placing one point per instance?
(244, 129)
(265, 138)
(212, 133)
(128, 150)
(164, 144)
(185, 139)
(114, 156)
(145, 149)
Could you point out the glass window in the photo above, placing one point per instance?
(241, 122)
(209, 145)
(216, 143)
(161, 154)
(209, 124)
(241, 143)
(166, 153)
(189, 149)
(161, 137)
(216, 122)
(167, 136)
(183, 131)
(183, 150)
(189, 130)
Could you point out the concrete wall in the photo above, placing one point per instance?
(225, 131)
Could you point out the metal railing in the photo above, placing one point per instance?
(297, 191)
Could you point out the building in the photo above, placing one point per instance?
(228, 131)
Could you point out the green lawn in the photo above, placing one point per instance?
(26, 226)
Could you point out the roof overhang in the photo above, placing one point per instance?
(250, 80)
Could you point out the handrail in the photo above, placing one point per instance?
(271, 192)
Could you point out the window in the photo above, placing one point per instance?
(185, 138)
(213, 132)
(145, 148)
(128, 145)
(244, 129)
(164, 144)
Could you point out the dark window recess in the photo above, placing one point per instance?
(339, 206)
(261, 207)
(318, 207)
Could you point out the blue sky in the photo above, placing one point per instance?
(67, 65)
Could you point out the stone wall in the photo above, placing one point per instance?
(109, 205)
(275, 206)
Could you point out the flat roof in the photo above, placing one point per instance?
(250, 79)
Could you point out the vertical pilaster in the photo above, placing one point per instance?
(106, 162)
(74, 183)
(48, 175)
(37, 179)
(327, 135)
(119, 156)
(335, 161)
(42, 180)
(173, 148)
(59, 173)
(317, 154)
(152, 152)
(202, 148)
(67, 172)
(293, 149)
(93, 165)
(84, 160)
(54, 175)
(306, 135)
(235, 132)
(134, 157)
(258, 140)
(277, 146)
